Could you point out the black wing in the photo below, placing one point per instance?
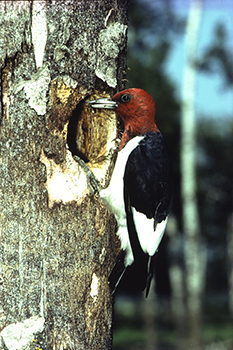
(148, 177)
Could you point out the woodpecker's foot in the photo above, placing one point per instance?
(92, 182)
(117, 142)
(113, 151)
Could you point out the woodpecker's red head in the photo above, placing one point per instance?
(135, 107)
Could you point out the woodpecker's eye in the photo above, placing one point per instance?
(125, 98)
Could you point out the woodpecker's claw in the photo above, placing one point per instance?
(117, 142)
(105, 103)
(113, 150)
(91, 179)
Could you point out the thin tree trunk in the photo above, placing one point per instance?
(176, 273)
(150, 313)
(57, 241)
(194, 261)
(230, 263)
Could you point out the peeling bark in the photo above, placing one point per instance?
(57, 242)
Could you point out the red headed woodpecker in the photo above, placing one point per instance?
(140, 189)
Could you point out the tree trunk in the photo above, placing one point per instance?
(230, 263)
(58, 242)
(150, 315)
(176, 274)
(194, 256)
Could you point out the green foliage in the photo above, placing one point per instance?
(218, 57)
(152, 33)
(146, 61)
(215, 174)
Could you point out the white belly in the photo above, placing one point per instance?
(114, 197)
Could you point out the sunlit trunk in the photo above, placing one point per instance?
(194, 255)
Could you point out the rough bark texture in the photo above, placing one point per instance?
(57, 242)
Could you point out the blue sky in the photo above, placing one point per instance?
(212, 98)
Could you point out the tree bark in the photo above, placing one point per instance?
(57, 240)
(193, 250)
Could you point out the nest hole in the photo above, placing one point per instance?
(72, 132)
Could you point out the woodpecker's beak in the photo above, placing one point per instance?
(106, 103)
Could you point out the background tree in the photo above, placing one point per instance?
(154, 30)
(218, 57)
(193, 251)
(57, 239)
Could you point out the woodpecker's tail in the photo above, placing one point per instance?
(117, 272)
(150, 274)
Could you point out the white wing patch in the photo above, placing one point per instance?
(114, 197)
(148, 237)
